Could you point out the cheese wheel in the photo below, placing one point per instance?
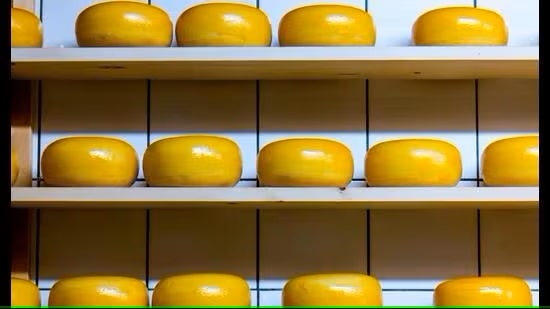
(332, 289)
(305, 162)
(223, 24)
(14, 166)
(89, 161)
(123, 24)
(327, 25)
(511, 161)
(202, 289)
(413, 162)
(193, 161)
(99, 291)
(460, 26)
(24, 293)
(26, 29)
(483, 291)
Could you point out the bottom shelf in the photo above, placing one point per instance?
(277, 198)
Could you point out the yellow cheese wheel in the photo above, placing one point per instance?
(193, 161)
(89, 161)
(413, 162)
(326, 25)
(460, 26)
(26, 29)
(14, 166)
(123, 24)
(24, 293)
(511, 161)
(99, 291)
(223, 24)
(483, 291)
(202, 289)
(332, 289)
(305, 162)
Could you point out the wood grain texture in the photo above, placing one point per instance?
(277, 198)
(235, 63)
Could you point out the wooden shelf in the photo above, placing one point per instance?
(276, 198)
(246, 63)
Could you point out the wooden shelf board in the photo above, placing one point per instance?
(276, 198)
(246, 63)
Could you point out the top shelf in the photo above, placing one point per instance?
(250, 63)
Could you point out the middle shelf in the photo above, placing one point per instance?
(273, 63)
(276, 198)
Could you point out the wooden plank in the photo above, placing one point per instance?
(21, 141)
(277, 198)
(25, 4)
(234, 63)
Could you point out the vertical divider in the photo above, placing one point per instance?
(478, 177)
(148, 211)
(258, 243)
(367, 212)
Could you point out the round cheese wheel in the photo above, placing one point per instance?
(223, 24)
(511, 161)
(26, 29)
(327, 25)
(24, 293)
(305, 162)
(123, 24)
(202, 289)
(99, 291)
(332, 289)
(89, 161)
(460, 26)
(483, 291)
(413, 162)
(14, 166)
(193, 161)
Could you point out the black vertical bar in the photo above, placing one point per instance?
(147, 211)
(368, 266)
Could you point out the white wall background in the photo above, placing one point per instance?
(409, 251)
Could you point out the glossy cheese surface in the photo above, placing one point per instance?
(99, 291)
(14, 166)
(483, 291)
(123, 24)
(193, 160)
(24, 293)
(26, 29)
(327, 25)
(332, 289)
(89, 161)
(511, 161)
(460, 26)
(413, 162)
(305, 162)
(223, 24)
(202, 289)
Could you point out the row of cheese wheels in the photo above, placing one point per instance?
(130, 24)
(215, 161)
(221, 289)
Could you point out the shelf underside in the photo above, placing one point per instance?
(248, 63)
(276, 198)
